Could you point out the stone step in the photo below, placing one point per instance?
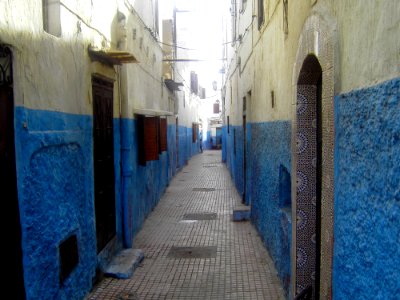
(241, 213)
(124, 263)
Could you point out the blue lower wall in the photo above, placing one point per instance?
(172, 158)
(224, 143)
(366, 260)
(268, 149)
(249, 161)
(150, 181)
(56, 193)
(55, 190)
(183, 148)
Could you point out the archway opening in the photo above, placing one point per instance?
(309, 146)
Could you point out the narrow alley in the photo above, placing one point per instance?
(135, 134)
(227, 261)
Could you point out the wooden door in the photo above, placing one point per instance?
(8, 194)
(104, 179)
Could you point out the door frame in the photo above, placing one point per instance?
(318, 37)
(106, 81)
(15, 275)
(244, 156)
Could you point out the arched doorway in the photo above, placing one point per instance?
(314, 74)
(308, 175)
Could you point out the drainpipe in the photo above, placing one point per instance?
(126, 167)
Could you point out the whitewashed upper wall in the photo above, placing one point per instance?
(146, 11)
(367, 48)
(54, 73)
(50, 73)
(369, 42)
(146, 89)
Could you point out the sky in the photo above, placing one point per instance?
(205, 34)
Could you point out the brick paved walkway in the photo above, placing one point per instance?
(240, 268)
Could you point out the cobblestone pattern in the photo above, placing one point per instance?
(242, 268)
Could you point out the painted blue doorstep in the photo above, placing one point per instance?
(124, 264)
(241, 213)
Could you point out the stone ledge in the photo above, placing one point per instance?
(124, 263)
(241, 213)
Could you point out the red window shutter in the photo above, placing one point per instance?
(163, 134)
(151, 143)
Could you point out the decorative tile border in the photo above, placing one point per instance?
(318, 37)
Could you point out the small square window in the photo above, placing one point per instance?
(69, 256)
(216, 108)
(260, 13)
(51, 17)
(244, 4)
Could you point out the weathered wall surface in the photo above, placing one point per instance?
(270, 211)
(263, 69)
(54, 133)
(367, 199)
(186, 147)
(368, 42)
(357, 45)
(55, 195)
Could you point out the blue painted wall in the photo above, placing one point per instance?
(224, 142)
(147, 183)
(248, 182)
(56, 194)
(366, 260)
(172, 158)
(144, 185)
(208, 143)
(268, 150)
(183, 146)
(55, 190)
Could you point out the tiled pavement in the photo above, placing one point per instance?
(241, 268)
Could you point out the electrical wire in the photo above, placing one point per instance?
(132, 10)
(184, 48)
(148, 73)
(84, 22)
(223, 44)
(183, 80)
